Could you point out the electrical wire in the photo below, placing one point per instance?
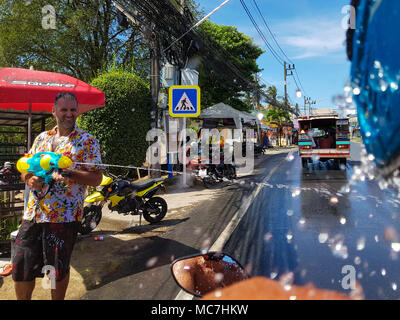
(276, 42)
(272, 35)
(170, 25)
(276, 56)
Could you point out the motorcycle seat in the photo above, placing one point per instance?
(146, 183)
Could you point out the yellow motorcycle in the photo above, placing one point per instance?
(125, 198)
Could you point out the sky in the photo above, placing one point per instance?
(309, 32)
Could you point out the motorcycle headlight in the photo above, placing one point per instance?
(99, 188)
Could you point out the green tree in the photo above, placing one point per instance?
(218, 85)
(84, 40)
(278, 116)
(121, 126)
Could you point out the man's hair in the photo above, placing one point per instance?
(65, 95)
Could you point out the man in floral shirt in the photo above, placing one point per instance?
(50, 223)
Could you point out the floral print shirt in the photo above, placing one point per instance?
(63, 201)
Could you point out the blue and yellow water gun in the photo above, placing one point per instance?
(43, 164)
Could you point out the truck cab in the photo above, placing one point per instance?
(324, 137)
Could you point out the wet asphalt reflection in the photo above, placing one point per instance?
(312, 223)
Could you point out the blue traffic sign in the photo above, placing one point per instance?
(184, 101)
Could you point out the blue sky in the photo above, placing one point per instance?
(310, 33)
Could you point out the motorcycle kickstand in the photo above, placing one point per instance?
(140, 220)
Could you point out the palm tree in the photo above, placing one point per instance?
(279, 116)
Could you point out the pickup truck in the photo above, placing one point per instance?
(324, 137)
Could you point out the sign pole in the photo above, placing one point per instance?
(184, 101)
(184, 152)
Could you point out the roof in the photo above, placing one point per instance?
(221, 111)
(18, 118)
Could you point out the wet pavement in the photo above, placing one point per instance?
(312, 223)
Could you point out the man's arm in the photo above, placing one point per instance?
(88, 178)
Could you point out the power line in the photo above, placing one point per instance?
(276, 42)
(277, 57)
(301, 85)
(198, 23)
(269, 30)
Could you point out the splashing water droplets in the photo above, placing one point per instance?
(286, 281)
(356, 91)
(323, 237)
(361, 244)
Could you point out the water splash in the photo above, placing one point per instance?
(338, 248)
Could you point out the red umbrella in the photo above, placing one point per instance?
(32, 90)
(23, 88)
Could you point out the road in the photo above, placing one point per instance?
(145, 272)
(312, 223)
(292, 220)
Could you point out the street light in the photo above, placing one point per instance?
(260, 116)
(298, 93)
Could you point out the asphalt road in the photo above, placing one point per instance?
(308, 222)
(312, 223)
(146, 274)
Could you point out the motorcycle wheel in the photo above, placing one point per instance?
(155, 209)
(230, 172)
(90, 219)
(210, 181)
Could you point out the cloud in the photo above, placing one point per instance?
(312, 37)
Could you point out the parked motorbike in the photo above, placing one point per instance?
(125, 198)
(212, 174)
(7, 173)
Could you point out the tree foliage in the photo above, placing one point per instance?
(277, 115)
(242, 51)
(121, 126)
(84, 40)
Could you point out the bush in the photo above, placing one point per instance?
(122, 124)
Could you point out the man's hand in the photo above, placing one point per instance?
(58, 177)
(33, 182)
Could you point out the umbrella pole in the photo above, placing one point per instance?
(29, 127)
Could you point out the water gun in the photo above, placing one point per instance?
(43, 164)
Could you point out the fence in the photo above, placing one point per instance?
(11, 211)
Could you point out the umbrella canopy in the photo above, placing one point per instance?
(221, 110)
(23, 88)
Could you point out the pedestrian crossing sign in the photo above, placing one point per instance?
(184, 101)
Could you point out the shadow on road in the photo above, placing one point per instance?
(118, 255)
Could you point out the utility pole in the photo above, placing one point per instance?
(155, 57)
(310, 109)
(288, 71)
(309, 102)
(256, 93)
